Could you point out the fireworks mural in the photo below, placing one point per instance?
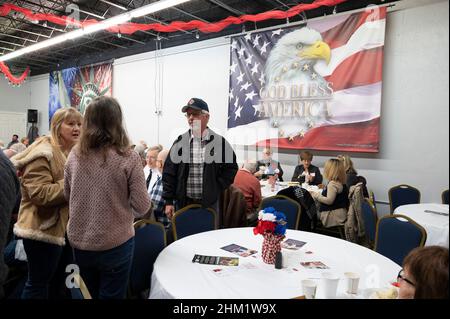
(77, 87)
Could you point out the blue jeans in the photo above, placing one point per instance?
(43, 260)
(106, 273)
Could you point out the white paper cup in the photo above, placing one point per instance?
(329, 284)
(352, 282)
(309, 288)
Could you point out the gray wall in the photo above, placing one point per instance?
(33, 94)
(14, 99)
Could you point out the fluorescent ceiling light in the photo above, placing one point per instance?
(102, 25)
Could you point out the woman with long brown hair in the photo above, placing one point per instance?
(44, 212)
(105, 185)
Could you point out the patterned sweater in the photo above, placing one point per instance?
(103, 197)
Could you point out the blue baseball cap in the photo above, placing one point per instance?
(196, 104)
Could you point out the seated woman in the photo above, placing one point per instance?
(352, 174)
(306, 172)
(334, 197)
(424, 274)
(350, 171)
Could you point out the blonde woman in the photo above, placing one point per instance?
(334, 197)
(352, 175)
(350, 171)
(44, 211)
(104, 183)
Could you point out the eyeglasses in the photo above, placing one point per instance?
(194, 114)
(401, 276)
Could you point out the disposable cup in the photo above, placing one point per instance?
(352, 282)
(309, 288)
(329, 284)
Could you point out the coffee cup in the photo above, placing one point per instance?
(309, 288)
(352, 282)
(329, 283)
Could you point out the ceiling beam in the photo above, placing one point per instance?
(189, 14)
(114, 5)
(227, 7)
(16, 37)
(12, 43)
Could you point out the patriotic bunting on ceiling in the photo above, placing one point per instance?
(11, 78)
(130, 28)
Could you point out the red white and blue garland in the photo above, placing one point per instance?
(130, 28)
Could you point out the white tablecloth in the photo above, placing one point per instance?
(435, 225)
(268, 191)
(176, 276)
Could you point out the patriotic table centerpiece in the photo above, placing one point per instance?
(272, 225)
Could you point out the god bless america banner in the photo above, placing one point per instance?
(316, 86)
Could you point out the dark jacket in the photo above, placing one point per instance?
(264, 163)
(352, 179)
(308, 217)
(219, 169)
(9, 204)
(299, 169)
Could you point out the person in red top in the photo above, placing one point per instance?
(249, 186)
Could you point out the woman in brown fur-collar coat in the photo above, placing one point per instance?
(43, 213)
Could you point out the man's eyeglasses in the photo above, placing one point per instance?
(194, 114)
(401, 277)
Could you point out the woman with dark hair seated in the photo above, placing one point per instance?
(424, 274)
(306, 172)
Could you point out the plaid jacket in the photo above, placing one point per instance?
(159, 202)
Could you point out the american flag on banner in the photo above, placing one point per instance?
(316, 86)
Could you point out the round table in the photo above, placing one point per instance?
(176, 276)
(434, 221)
(268, 191)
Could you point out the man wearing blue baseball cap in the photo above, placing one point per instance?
(201, 163)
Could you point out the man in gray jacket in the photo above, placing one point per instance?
(9, 203)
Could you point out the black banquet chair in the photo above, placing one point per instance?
(403, 195)
(397, 235)
(444, 197)
(370, 217)
(193, 219)
(149, 240)
(287, 206)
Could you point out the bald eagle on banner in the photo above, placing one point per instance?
(315, 86)
(295, 94)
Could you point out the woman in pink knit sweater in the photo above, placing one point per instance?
(105, 186)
